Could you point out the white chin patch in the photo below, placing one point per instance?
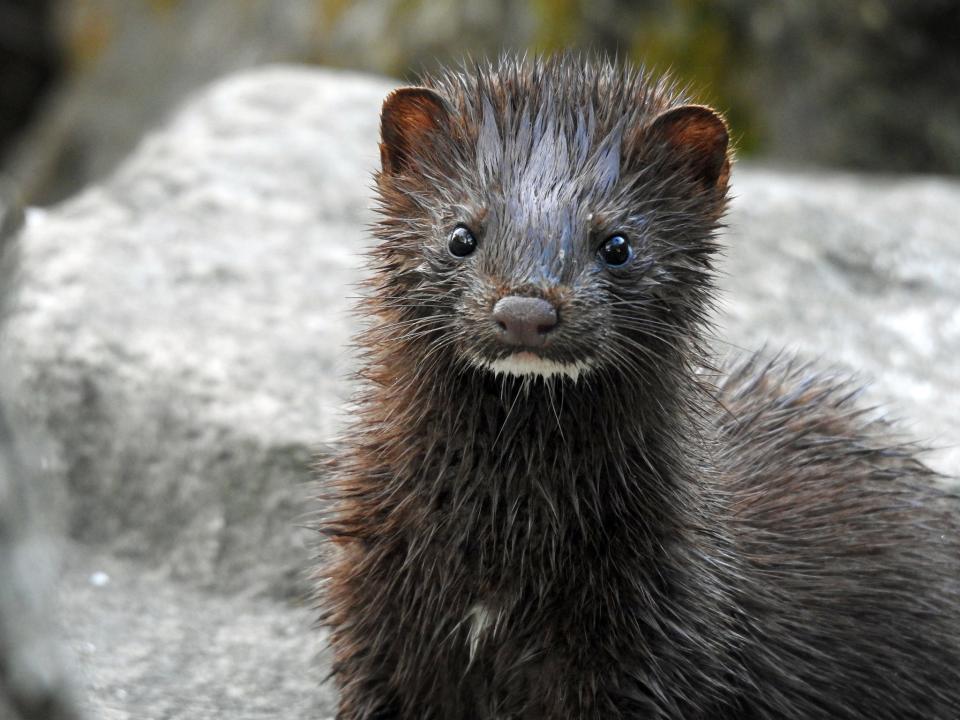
(528, 364)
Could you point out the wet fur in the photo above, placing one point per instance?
(643, 541)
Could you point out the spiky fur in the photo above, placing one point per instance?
(638, 542)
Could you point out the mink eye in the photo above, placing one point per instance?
(461, 242)
(615, 251)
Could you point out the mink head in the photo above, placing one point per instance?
(548, 218)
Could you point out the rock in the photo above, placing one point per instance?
(183, 325)
(180, 337)
(155, 649)
(35, 682)
(860, 273)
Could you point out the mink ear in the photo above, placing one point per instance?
(409, 119)
(697, 138)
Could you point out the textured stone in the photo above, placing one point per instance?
(859, 273)
(151, 649)
(180, 337)
(35, 681)
(180, 327)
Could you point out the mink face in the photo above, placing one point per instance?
(546, 235)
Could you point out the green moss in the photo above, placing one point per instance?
(558, 25)
(697, 43)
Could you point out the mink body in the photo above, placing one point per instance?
(571, 519)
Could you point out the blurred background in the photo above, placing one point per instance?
(868, 85)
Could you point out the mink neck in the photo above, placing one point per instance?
(591, 452)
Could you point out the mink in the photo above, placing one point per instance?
(554, 500)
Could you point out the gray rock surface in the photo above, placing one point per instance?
(180, 338)
(35, 680)
(858, 272)
(183, 323)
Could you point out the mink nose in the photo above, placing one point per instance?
(524, 320)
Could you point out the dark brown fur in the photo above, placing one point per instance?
(645, 543)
